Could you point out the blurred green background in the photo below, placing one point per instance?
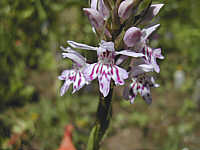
(31, 32)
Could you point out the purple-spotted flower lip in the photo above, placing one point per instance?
(75, 75)
(141, 82)
(105, 69)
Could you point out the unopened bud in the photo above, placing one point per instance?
(126, 8)
(97, 21)
(103, 10)
(132, 36)
(152, 12)
(94, 17)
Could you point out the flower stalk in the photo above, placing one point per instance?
(103, 118)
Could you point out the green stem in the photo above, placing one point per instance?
(104, 114)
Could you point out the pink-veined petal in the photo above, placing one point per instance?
(91, 71)
(132, 36)
(65, 87)
(81, 46)
(104, 82)
(148, 31)
(79, 82)
(129, 53)
(118, 75)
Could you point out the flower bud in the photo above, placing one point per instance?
(152, 12)
(97, 21)
(93, 4)
(103, 10)
(132, 36)
(95, 18)
(126, 8)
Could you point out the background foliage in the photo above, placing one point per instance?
(30, 61)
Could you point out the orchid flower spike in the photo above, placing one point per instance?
(73, 76)
(105, 69)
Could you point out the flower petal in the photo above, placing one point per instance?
(129, 53)
(81, 46)
(147, 98)
(69, 50)
(157, 53)
(79, 82)
(155, 65)
(65, 87)
(75, 58)
(133, 91)
(95, 18)
(152, 12)
(125, 9)
(64, 75)
(91, 71)
(154, 83)
(118, 75)
(156, 8)
(146, 67)
(104, 83)
(93, 4)
(146, 95)
(107, 45)
(149, 31)
(103, 10)
(132, 36)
